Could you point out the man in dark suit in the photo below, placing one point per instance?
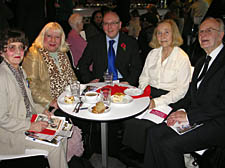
(204, 104)
(127, 60)
(127, 64)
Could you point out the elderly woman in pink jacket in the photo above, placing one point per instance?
(76, 42)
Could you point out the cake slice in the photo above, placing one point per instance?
(118, 97)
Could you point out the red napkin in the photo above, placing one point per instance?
(114, 89)
(121, 89)
(146, 93)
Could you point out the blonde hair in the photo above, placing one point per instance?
(39, 41)
(176, 36)
(75, 19)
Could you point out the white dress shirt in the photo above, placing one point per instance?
(173, 74)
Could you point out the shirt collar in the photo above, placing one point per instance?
(116, 38)
(215, 52)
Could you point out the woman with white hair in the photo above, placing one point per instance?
(47, 65)
(49, 71)
(76, 43)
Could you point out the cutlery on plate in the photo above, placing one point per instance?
(78, 105)
(78, 108)
(83, 108)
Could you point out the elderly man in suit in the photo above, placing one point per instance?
(127, 62)
(204, 104)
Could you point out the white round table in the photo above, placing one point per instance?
(117, 112)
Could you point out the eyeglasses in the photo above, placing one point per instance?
(207, 31)
(110, 24)
(99, 17)
(12, 48)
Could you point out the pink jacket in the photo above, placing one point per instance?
(77, 45)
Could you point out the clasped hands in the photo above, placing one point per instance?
(179, 116)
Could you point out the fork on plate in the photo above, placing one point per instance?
(78, 105)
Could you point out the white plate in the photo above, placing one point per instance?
(108, 108)
(133, 91)
(122, 84)
(62, 101)
(126, 99)
(84, 100)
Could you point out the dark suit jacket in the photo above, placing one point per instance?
(208, 101)
(127, 59)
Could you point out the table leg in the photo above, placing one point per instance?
(104, 140)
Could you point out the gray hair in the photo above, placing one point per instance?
(75, 19)
(219, 21)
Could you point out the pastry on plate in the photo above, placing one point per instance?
(99, 108)
(69, 99)
(118, 97)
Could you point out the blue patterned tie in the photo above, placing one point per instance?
(111, 60)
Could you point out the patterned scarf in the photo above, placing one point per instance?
(18, 74)
(59, 79)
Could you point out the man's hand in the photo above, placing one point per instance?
(95, 81)
(177, 116)
(56, 5)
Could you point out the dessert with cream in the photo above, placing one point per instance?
(118, 97)
(69, 99)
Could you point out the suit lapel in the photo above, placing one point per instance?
(217, 64)
(105, 53)
(196, 73)
(18, 92)
(14, 79)
(119, 51)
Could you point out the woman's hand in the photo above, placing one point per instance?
(54, 104)
(177, 116)
(125, 82)
(38, 126)
(47, 113)
(95, 81)
(152, 104)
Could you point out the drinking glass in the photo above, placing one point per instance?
(75, 88)
(106, 95)
(108, 78)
